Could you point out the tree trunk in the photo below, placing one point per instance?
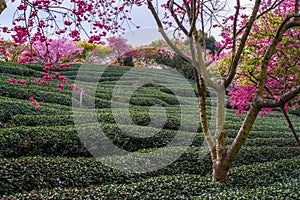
(2, 5)
(220, 171)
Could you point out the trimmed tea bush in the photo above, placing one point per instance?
(186, 186)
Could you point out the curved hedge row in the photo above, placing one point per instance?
(143, 118)
(65, 97)
(22, 92)
(28, 173)
(187, 186)
(139, 118)
(64, 140)
(17, 69)
(11, 107)
(39, 67)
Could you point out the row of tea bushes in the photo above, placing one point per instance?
(29, 173)
(276, 183)
(170, 120)
(138, 118)
(65, 140)
(10, 107)
(16, 69)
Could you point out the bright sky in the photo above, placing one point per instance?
(141, 16)
(149, 33)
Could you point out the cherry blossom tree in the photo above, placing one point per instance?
(60, 50)
(192, 18)
(283, 69)
(119, 47)
(40, 19)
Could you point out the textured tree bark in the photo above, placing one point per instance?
(2, 5)
(220, 170)
(243, 132)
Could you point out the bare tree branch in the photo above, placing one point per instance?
(291, 126)
(236, 15)
(236, 58)
(201, 88)
(272, 103)
(243, 132)
(274, 5)
(173, 14)
(193, 18)
(163, 33)
(201, 65)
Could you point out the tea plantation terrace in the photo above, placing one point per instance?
(41, 155)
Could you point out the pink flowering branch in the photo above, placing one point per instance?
(290, 22)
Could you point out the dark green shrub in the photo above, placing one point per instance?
(186, 186)
(175, 62)
(26, 174)
(23, 92)
(11, 107)
(139, 118)
(17, 69)
(43, 141)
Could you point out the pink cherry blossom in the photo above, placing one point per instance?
(60, 86)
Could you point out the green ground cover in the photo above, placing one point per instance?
(41, 155)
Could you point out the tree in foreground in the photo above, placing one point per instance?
(251, 59)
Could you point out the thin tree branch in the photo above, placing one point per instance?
(290, 22)
(201, 65)
(164, 35)
(243, 133)
(291, 126)
(275, 4)
(193, 18)
(237, 56)
(201, 88)
(178, 22)
(238, 7)
(272, 103)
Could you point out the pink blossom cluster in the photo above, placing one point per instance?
(27, 57)
(42, 15)
(18, 81)
(76, 88)
(240, 96)
(2, 48)
(55, 51)
(282, 68)
(61, 78)
(35, 103)
(119, 46)
(64, 65)
(49, 66)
